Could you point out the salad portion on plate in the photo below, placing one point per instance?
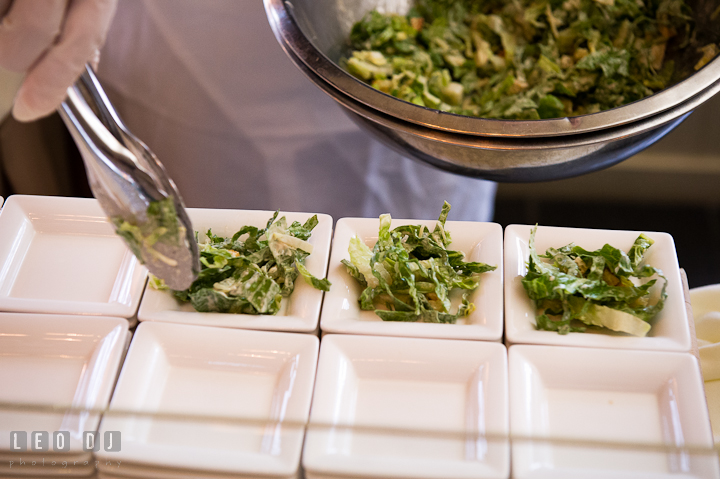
(574, 288)
(250, 272)
(259, 270)
(420, 278)
(597, 288)
(412, 273)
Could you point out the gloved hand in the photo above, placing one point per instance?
(51, 41)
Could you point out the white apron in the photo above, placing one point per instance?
(237, 125)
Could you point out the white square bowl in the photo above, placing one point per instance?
(61, 255)
(298, 313)
(56, 360)
(408, 408)
(221, 377)
(602, 402)
(670, 329)
(479, 241)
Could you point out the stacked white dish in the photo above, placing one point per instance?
(600, 403)
(60, 258)
(610, 412)
(228, 403)
(49, 363)
(406, 407)
(211, 398)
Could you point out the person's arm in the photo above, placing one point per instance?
(50, 41)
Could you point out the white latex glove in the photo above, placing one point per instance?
(50, 41)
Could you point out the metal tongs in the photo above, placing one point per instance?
(125, 177)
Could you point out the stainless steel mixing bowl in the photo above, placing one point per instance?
(316, 31)
(511, 159)
(493, 149)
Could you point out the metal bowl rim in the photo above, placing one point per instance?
(542, 143)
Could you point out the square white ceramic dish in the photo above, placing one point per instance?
(670, 330)
(417, 404)
(54, 360)
(299, 313)
(61, 255)
(604, 396)
(479, 241)
(226, 374)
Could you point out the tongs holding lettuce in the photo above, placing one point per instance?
(410, 272)
(250, 272)
(131, 185)
(574, 288)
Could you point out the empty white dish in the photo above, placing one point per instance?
(612, 400)
(670, 330)
(479, 241)
(300, 312)
(54, 360)
(408, 408)
(228, 376)
(61, 255)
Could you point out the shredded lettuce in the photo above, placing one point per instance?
(411, 273)
(162, 226)
(574, 288)
(525, 59)
(253, 270)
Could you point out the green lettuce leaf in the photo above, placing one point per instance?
(525, 59)
(162, 226)
(411, 273)
(251, 271)
(605, 288)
